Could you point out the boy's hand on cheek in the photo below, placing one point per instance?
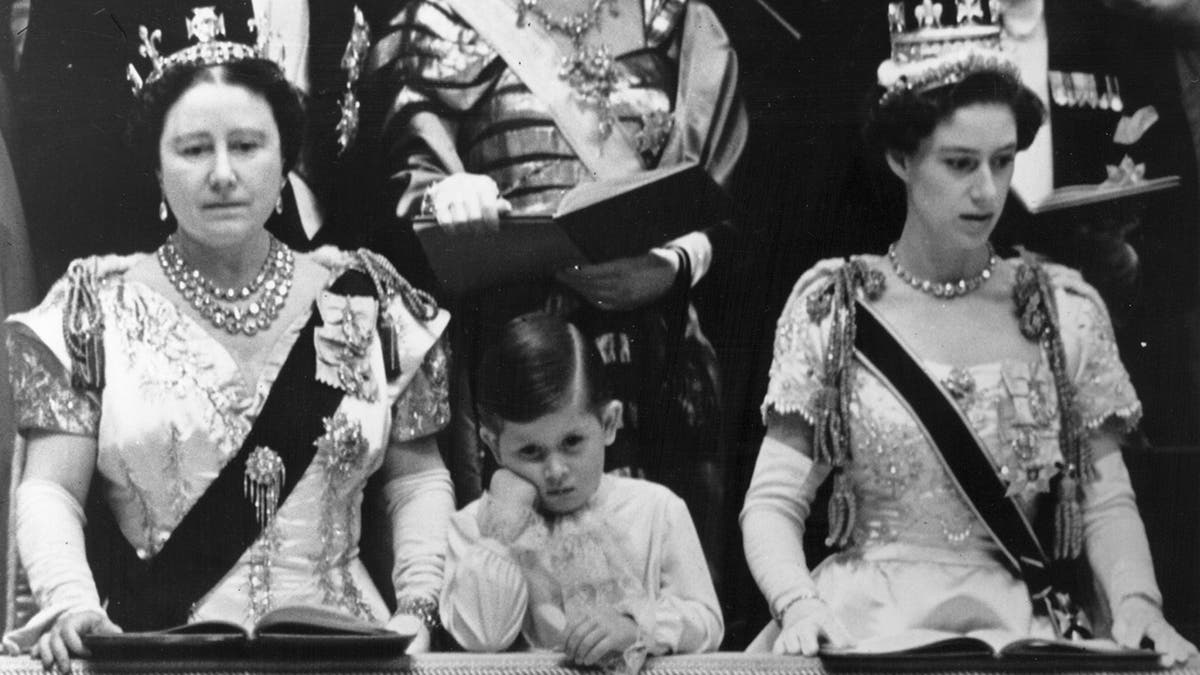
(512, 490)
(510, 507)
(602, 632)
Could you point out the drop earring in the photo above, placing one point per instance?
(279, 204)
(163, 212)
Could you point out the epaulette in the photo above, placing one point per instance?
(83, 324)
(836, 298)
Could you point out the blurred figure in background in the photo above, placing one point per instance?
(468, 133)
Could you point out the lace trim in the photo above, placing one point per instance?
(784, 404)
(43, 398)
(1126, 418)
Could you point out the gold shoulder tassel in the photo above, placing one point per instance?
(83, 326)
(1038, 319)
(831, 431)
(389, 284)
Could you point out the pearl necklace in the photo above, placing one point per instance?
(949, 289)
(265, 295)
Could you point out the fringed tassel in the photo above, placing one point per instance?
(1068, 520)
(388, 284)
(1039, 320)
(831, 435)
(83, 327)
(842, 510)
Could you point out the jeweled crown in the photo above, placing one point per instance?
(206, 35)
(939, 43)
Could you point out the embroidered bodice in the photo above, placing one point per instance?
(175, 409)
(903, 493)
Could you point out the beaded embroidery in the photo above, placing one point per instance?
(340, 451)
(826, 402)
(42, 392)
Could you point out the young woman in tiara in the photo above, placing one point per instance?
(957, 401)
(222, 401)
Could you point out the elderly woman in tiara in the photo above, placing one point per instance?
(220, 403)
(956, 399)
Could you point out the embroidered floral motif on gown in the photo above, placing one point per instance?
(175, 408)
(918, 555)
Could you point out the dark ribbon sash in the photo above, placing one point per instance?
(221, 525)
(963, 453)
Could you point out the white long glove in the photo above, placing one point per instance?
(419, 506)
(50, 540)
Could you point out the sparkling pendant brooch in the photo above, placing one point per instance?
(263, 482)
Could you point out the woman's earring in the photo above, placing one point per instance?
(279, 204)
(163, 212)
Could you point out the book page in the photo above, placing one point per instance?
(593, 192)
(1033, 646)
(915, 639)
(999, 639)
(311, 620)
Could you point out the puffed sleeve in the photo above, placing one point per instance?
(424, 407)
(801, 335)
(485, 597)
(43, 398)
(1104, 392)
(428, 70)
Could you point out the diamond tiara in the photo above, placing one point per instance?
(936, 53)
(206, 27)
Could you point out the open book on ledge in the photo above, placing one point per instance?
(924, 649)
(595, 222)
(294, 631)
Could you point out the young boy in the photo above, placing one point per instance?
(603, 568)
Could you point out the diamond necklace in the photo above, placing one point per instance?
(263, 298)
(590, 71)
(949, 289)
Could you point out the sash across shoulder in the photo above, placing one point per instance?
(221, 525)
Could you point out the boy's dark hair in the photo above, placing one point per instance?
(906, 118)
(531, 369)
(260, 76)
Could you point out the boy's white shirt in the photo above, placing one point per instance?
(494, 591)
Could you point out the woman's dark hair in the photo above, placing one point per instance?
(259, 76)
(905, 119)
(532, 368)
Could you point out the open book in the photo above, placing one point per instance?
(293, 631)
(923, 649)
(595, 222)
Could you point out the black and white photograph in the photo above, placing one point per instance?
(455, 337)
